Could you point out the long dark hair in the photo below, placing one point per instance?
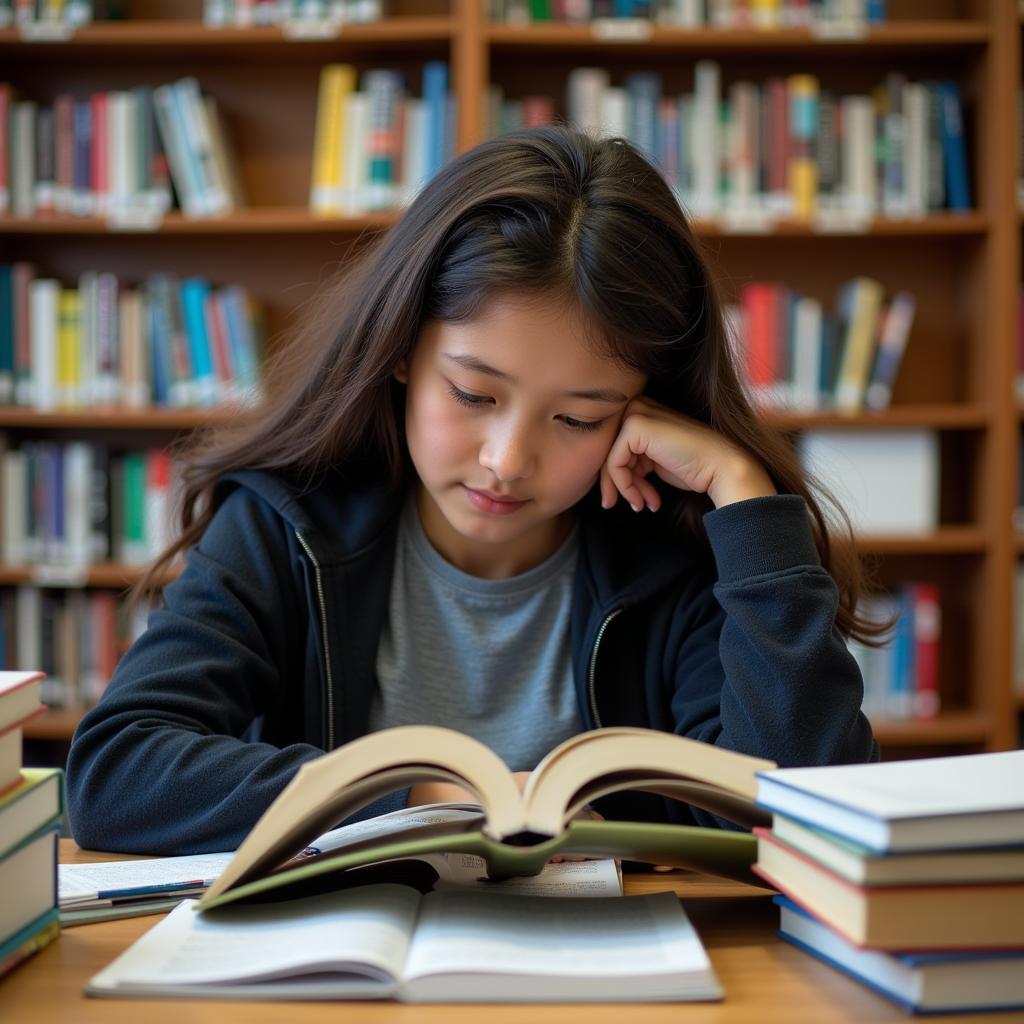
(545, 210)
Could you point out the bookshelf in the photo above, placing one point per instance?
(964, 268)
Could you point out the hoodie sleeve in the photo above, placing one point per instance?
(762, 668)
(161, 765)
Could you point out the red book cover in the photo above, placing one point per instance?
(216, 330)
(98, 151)
(760, 319)
(6, 96)
(63, 116)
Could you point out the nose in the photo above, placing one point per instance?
(509, 451)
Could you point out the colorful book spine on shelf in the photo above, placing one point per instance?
(755, 153)
(902, 676)
(847, 18)
(106, 343)
(374, 144)
(796, 354)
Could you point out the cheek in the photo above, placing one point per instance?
(580, 465)
(435, 427)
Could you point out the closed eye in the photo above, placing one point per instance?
(466, 398)
(584, 425)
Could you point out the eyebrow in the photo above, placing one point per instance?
(468, 362)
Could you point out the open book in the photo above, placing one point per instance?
(382, 941)
(106, 890)
(515, 834)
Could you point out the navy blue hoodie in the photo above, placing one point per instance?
(263, 656)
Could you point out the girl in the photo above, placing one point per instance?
(509, 484)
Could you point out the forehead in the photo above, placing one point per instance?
(540, 341)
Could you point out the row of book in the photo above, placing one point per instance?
(115, 154)
(725, 14)
(221, 13)
(785, 147)
(165, 342)
(797, 355)
(901, 677)
(77, 636)
(908, 876)
(31, 815)
(70, 505)
(375, 143)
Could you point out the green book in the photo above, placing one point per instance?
(515, 833)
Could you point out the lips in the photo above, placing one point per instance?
(493, 504)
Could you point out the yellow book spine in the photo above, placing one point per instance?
(803, 168)
(326, 149)
(69, 373)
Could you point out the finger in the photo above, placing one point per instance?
(609, 492)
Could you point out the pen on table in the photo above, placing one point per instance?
(144, 890)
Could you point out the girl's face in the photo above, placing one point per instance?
(509, 418)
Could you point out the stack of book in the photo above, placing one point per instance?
(30, 810)
(909, 875)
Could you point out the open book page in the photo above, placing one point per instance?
(604, 761)
(330, 788)
(588, 878)
(361, 932)
(473, 945)
(85, 883)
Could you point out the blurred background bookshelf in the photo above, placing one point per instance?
(284, 204)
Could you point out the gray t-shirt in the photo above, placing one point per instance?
(489, 658)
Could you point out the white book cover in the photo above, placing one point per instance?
(615, 111)
(43, 297)
(964, 801)
(806, 369)
(887, 481)
(585, 88)
(858, 155)
(414, 149)
(172, 135)
(707, 101)
(356, 153)
(77, 502)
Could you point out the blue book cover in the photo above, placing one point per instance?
(958, 190)
(194, 292)
(643, 90)
(961, 981)
(435, 97)
(81, 131)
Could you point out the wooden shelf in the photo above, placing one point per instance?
(188, 36)
(53, 724)
(285, 220)
(938, 417)
(12, 417)
(950, 727)
(902, 35)
(107, 575)
(948, 540)
(267, 220)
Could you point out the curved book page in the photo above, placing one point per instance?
(737, 809)
(332, 787)
(593, 757)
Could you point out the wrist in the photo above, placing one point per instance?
(741, 481)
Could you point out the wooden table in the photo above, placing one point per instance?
(766, 981)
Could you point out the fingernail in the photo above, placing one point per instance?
(635, 508)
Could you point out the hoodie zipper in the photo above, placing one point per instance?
(592, 668)
(324, 634)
